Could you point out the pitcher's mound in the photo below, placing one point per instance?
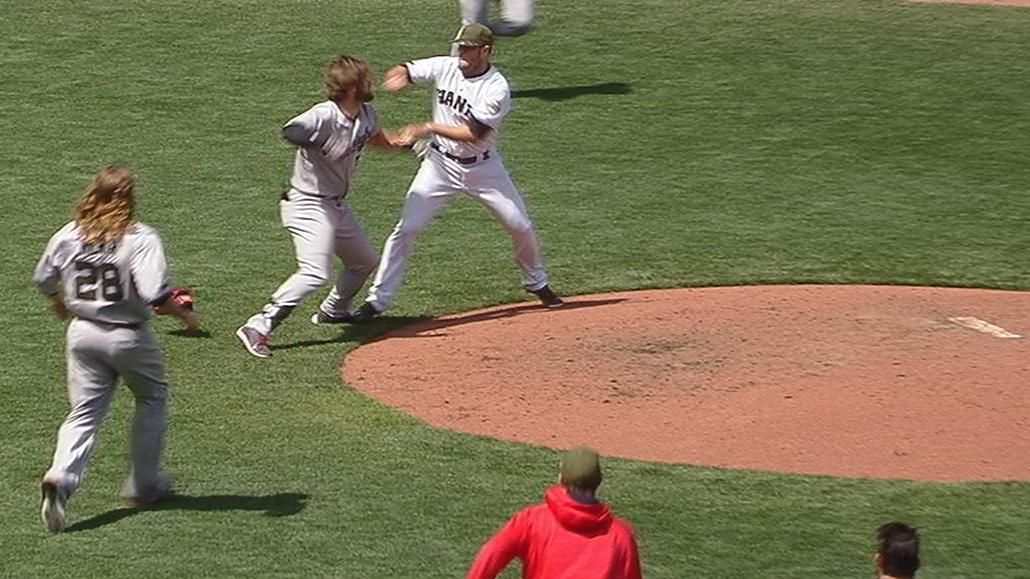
(862, 381)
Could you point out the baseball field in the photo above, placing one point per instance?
(660, 144)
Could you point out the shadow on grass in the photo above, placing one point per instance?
(415, 326)
(564, 93)
(351, 333)
(416, 330)
(278, 505)
(184, 333)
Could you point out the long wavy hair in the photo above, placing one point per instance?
(105, 210)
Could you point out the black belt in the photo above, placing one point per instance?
(462, 160)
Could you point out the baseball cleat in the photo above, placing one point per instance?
(363, 315)
(52, 507)
(319, 318)
(547, 297)
(254, 341)
(163, 489)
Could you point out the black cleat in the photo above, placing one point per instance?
(547, 297)
(320, 318)
(363, 315)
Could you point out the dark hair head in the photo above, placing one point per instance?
(898, 548)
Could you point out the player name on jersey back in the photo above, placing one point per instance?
(110, 282)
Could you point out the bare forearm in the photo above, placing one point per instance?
(461, 133)
(391, 140)
(397, 78)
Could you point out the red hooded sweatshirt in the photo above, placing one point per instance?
(562, 539)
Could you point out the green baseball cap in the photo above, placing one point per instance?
(473, 35)
(581, 468)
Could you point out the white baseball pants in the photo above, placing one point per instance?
(321, 229)
(97, 355)
(516, 16)
(439, 179)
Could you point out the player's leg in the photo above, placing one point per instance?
(474, 11)
(431, 189)
(491, 186)
(516, 18)
(91, 385)
(359, 259)
(311, 229)
(141, 364)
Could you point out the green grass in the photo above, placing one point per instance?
(734, 142)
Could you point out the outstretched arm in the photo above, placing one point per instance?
(392, 140)
(397, 78)
(469, 132)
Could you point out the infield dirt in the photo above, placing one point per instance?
(859, 381)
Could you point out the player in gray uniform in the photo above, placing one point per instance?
(330, 137)
(470, 101)
(107, 272)
(516, 16)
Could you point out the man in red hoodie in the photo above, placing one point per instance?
(572, 535)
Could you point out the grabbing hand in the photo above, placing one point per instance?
(396, 79)
(415, 131)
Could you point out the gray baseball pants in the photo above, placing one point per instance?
(321, 230)
(516, 16)
(97, 355)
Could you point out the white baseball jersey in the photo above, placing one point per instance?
(115, 283)
(328, 146)
(485, 98)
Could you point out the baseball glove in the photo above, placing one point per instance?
(184, 297)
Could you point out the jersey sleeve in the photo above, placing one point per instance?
(150, 269)
(492, 109)
(426, 70)
(48, 274)
(307, 129)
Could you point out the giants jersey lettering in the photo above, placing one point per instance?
(485, 98)
(115, 283)
(328, 146)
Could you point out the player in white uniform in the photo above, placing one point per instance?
(516, 16)
(471, 99)
(107, 271)
(330, 137)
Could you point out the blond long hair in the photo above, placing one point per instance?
(105, 211)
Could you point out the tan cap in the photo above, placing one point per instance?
(581, 468)
(473, 35)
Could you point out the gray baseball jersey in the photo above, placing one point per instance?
(328, 147)
(109, 289)
(313, 211)
(114, 283)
